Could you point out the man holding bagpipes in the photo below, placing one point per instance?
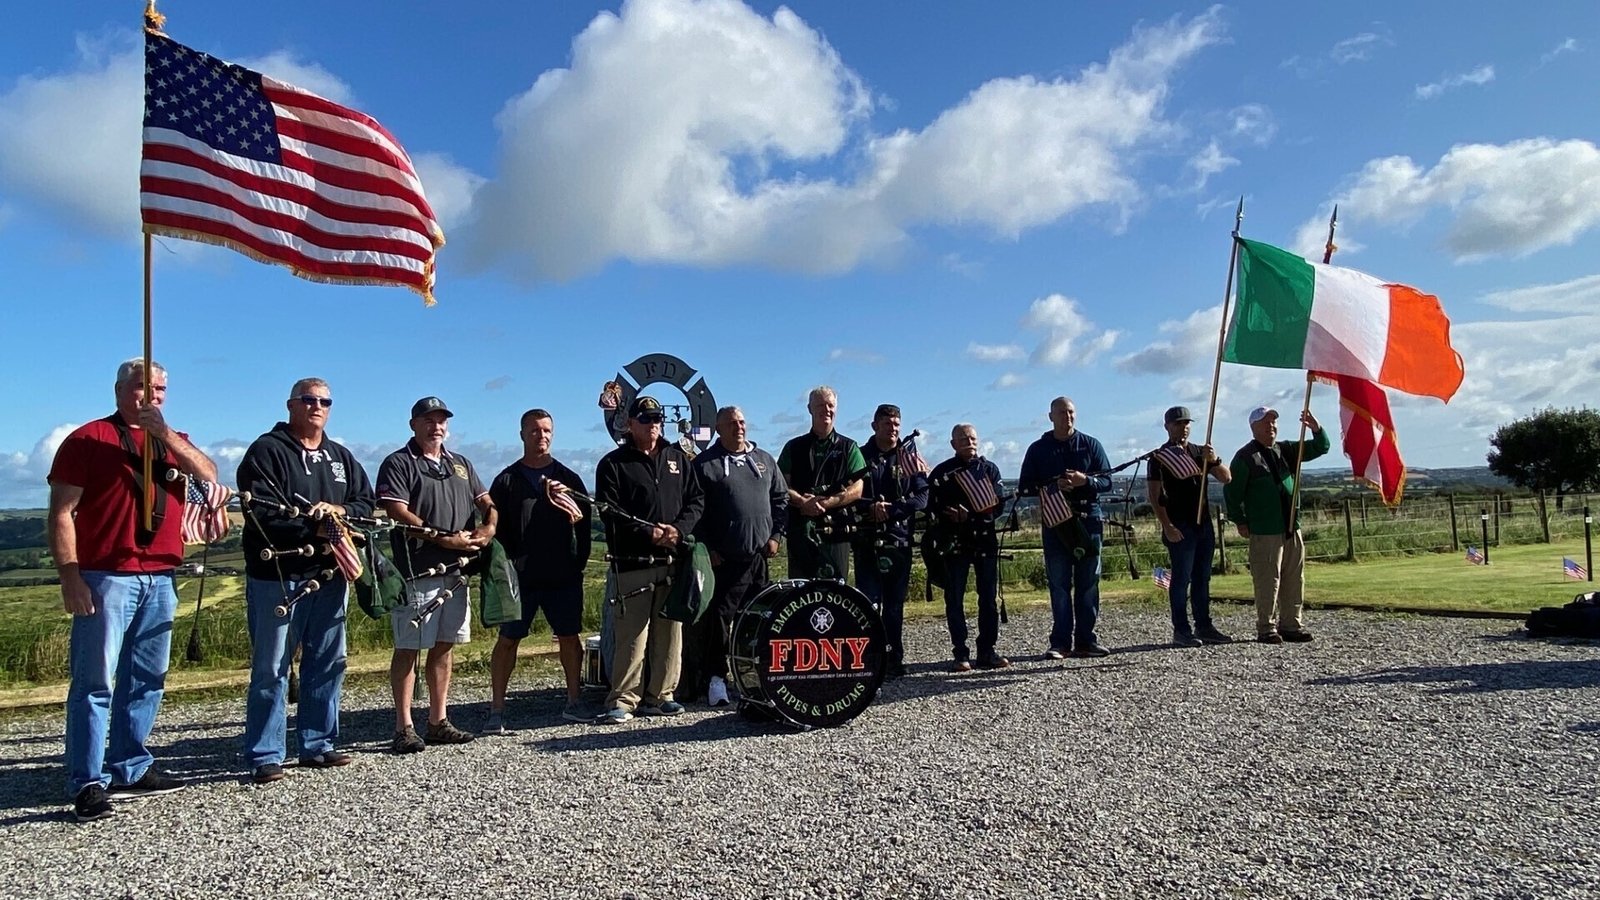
(965, 494)
(1067, 467)
(423, 484)
(1176, 488)
(895, 490)
(649, 498)
(823, 469)
(293, 598)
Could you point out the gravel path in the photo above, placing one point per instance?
(1394, 757)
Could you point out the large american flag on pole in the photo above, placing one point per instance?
(237, 158)
(205, 512)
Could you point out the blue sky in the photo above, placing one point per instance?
(966, 209)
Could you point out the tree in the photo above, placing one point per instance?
(1551, 450)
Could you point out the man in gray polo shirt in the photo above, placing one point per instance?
(422, 483)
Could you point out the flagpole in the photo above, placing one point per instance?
(152, 22)
(1311, 378)
(1222, 336)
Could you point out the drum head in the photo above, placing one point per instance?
(816, 648)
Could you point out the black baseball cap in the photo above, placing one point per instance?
(645, 406)
(427, 405)
(1178, 414)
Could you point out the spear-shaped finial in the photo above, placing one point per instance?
(1333, 225)
(152, 19)
(1238, 216)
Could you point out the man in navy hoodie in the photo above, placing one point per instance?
(296, 464)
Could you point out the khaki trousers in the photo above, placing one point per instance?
(640, 626)
(1278, 570)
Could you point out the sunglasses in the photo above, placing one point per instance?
(650, 418)
(311, 400)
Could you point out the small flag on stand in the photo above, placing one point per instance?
(1162, 577)
(344, 550)
(980, 493)
(205, 512)
(1571, 569)
(1176, 461)
(1053, 506)
(1474, 555)
(910, 461)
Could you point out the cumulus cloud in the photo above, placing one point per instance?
(1254, 123)
(686, 131)
(1208, 162)
(1192, 339)
(995, 352)
(22, 473)
(1580, 295)
(450, 188)
(1504, 199)
(1007, 381)
(1480, 76)
(1069, 337)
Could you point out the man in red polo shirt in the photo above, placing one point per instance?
(117, 582)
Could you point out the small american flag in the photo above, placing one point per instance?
(980, 492)
(1053, 506)
(1176, 461)
(344, 550)
(561, 501)
(236, 158)
(1571, 569)
(205, 512)
(1474, 555)
(910, 461)
(1162, 578)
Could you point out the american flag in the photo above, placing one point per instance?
(1053, 506)
(561, 501)
(1176, 461)
(1162, 578)
(236, 158)
(1571, 569)
(980, 492)
(910, 461)
(205, 512)
(1474, 555)
(344, 549)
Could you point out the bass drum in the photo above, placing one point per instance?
(810, 653)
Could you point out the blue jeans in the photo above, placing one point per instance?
(316, 625)
(887, 590)
(1074, 589)
(119, 660)
(955, 587)
(1191, 575)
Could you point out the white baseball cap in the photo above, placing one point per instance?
(1261, 412)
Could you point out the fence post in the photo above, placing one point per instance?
(1497, 521)
(1483, 519)
(1544, 517)
(1455, 538)
(1363, 511)
(1349, 534)
(1222, 547)
(1588, 547)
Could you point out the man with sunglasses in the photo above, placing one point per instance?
(651, 481)
(296, 464)
(422, 483)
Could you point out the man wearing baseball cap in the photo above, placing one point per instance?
(1177, 489)
(1260, 501)
(422, 483)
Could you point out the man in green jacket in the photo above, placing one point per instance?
(1260, 501)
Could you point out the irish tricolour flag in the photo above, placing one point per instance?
(1295, 314)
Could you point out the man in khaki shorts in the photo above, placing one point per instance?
(422, 483)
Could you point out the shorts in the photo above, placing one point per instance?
(451, 623)
(563, 609)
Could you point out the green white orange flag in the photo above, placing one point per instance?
(1295, 314)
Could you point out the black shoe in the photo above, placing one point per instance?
(1090, 651)
(442, 732)
(406, 740)
(330, 759)
(993, 661)
(961, 665)
(91, 804)
(1212, 636)
(1297, 637)
(1183, 639)
(267, 773)
(148, 785)
(1271, 637)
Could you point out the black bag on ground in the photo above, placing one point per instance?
(1578, 619)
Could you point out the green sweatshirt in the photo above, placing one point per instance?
(1262, 489)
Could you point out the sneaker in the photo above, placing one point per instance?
(1179, 639)
(993, 661)
(267, 773)
(148, 785)
(496, 725)
(961, 665)
(91, 803)
(442, 732)
(1212, 636)
(666, 708)
(328, 759)
(717, 693)
(1271, 637)
(614, 716)
(1297, 637)
(406, 740)
(1090, 651)
(1055, 653)
(578, 711)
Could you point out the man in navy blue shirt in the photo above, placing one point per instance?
(1074, 463)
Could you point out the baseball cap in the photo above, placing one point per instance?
(427, 405)
(645, 406)
(1261, 412)
(1178, 414)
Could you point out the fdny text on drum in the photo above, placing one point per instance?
(817, 654)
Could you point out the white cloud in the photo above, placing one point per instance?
(1253, 122)
(450, 188)
(1192, 339)
(1069, 337)
(1480, 76)
(853, 354)
(1007, 381)
(995, 352)
(1357, 48)
(1208, 162)
(1580, 295)
(22, 474)
(1504, 199)
(683, 130)
(1570, 45)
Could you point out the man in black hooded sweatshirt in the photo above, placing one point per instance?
(296, 464)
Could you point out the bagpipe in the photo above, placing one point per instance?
(689, 578)
(971, 539)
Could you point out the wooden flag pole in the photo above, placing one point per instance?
(149, 445)
(1311, 378)
(1222, 337)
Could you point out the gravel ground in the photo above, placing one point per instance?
(1394, 757)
